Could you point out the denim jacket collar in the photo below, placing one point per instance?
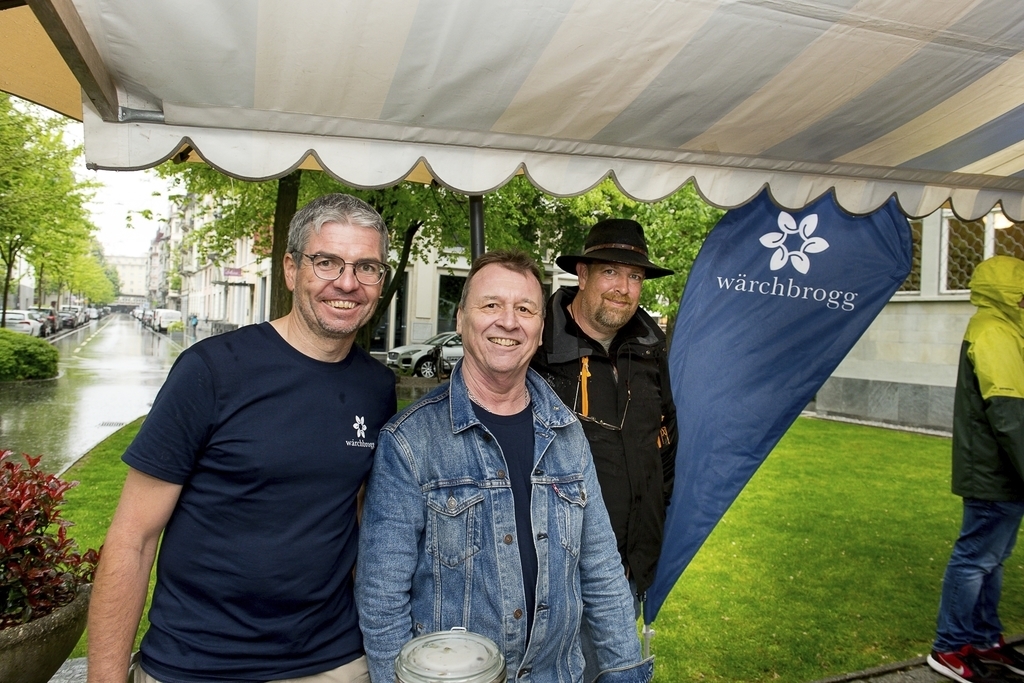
(548, 409)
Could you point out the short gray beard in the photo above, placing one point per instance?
(611, 319)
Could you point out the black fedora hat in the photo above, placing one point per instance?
(616, 240)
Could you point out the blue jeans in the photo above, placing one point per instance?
(973, 583)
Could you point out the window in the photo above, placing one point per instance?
(965, 244)
(449, 294)
(913, 281)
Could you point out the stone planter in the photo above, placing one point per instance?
(32, 652)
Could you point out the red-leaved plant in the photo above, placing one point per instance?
(40, 568)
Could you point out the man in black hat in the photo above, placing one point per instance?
(605, 357)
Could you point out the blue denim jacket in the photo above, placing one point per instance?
(437, 545)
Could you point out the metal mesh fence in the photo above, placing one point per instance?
(1009, 241)
(913, 281)
(968, 243)
(965, 248)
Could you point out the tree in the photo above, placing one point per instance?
(676, 228)
(90, 280)
(262, 210)
(430, 220)
(39, 194)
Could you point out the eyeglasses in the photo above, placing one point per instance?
(601, 423)
(330, 268)
(585, 407)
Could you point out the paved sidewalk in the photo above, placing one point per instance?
(912, 671)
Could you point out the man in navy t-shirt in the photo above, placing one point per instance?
(249, 464)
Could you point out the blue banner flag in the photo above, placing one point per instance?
(774, 302)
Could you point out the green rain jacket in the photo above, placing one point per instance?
(988, 409)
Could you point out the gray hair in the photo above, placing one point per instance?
(512, 259)
(334, 208)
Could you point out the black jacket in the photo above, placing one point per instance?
(635, 466)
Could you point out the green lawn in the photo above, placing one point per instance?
(90, 505)
(830, 561)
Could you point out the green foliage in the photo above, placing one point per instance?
(517, 215)
(100, 474)
(176, 326)
(42, 204)
(88, 278)
(676, 228)
(40, 567)
(24, 357)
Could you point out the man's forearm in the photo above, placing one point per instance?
(119, 595)
(116, 607)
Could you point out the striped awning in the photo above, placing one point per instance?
(923, 99)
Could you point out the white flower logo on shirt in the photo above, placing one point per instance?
(798, 258)
(360, 427)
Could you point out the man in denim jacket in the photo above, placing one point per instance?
(483, 508)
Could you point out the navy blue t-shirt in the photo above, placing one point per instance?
(254, 577)
(514, 434)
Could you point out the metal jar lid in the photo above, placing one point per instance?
(456, 656)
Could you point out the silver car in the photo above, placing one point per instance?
(420, 358)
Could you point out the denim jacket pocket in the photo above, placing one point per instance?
(454, 523)
(571, 499)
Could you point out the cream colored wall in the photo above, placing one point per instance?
(912, 342)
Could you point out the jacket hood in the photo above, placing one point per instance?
(998, 285)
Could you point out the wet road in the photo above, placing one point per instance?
(111, 370)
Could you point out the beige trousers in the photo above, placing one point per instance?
(353, 672)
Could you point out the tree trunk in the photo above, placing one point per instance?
(7, 288)
(39, 286)
(365, 335)
(287, 202)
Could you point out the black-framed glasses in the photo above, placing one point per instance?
(330, 268)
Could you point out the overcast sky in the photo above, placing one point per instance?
(123, 193)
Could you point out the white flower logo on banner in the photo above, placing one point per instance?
(777, 241)
(360, 427)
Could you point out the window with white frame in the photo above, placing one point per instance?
(913, 281)
(965, 244)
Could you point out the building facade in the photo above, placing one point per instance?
(903, 369)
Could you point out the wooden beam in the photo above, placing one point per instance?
(32, 68)
(63, 24)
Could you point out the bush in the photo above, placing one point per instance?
(176, 326)
(40, 569)
(25, 357)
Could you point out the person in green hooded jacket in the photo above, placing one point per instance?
(988, 473)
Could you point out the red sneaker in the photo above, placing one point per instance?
(961, 665)
(1002, 655)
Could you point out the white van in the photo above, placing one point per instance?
(163, 317)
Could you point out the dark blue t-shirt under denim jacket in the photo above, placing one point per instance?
(254, 576)
(438, 547)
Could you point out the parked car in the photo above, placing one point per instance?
(163, 317)
(67, 320)
(147, 317)
(23, 322)
(92, 313)
(419, 357)
(79, 312)
(48, 320)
